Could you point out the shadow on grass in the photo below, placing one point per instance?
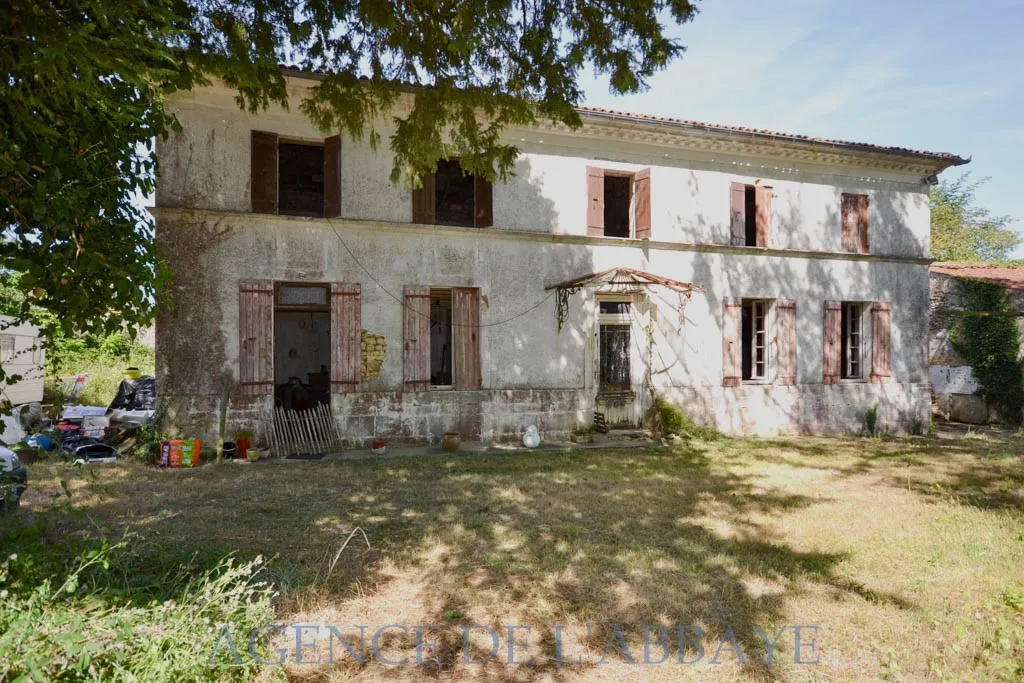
(599, 538)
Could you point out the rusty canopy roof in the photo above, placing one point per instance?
(1009, 277)
(625, 276)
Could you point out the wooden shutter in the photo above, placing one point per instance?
(346, 329)
(263, 172)
(466, 311)
(256, 337)
(785, 310)
(732, 348)
(332, 177)
(424, 201)
(833, 330)
(764, 214)
(483, 203)
(850, 208)
(862, 224)
(738, 213)
(595, 201)
(416, 337)
(642, 197)
(881, 342)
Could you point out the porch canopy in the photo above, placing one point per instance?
(621, 276)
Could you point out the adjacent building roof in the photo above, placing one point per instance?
(1010, 277)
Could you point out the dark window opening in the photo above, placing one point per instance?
(614, 370)
(441, 319)
(615, 307)
(300, 179)
(302, 346)
(852, 350)
(750, 216)
(617, 191)
(454, 195)
(754, 322)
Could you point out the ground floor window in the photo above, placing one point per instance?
(442, 373)
(754, 328)
(614, 346)
(852, 349)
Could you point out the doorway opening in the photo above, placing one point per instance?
(302, 346)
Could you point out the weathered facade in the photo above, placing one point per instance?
(955, 389)
(438, 310)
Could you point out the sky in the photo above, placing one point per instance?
(939, 76)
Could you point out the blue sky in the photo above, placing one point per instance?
(941, 76)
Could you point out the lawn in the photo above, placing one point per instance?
(897, 559)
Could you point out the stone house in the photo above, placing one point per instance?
(767, 283)
(954, 387)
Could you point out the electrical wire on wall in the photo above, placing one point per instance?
(401, 301)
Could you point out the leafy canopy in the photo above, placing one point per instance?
(964, 231)
(86, 81)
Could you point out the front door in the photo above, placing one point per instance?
(620, 359)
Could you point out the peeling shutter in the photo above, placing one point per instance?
(483, 203)
(881, 342)
(738, 214)
(764, 214)
(862, 223)
(466, 312)
(833, 329)
(732, 349)
(642, 193)
(256, 337)
(263, 172)
(850, 212)
(332, 177)
(416, 337)
(595, 201)
(346, 354)
(423, 202)
(785, 309)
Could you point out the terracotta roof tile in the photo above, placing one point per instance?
(1010, 277)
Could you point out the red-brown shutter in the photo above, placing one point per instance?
(416, 337)
(466, 313)
(332, 177)
(346, 329)
(833, 329)
(849, 221)
(881, 342)
(738, 214)
(263, 172)
(595, 201)
(764, 214)
(256, 337)
(785, 309)
(732, 348)
(483, 203)
(424, 202)
(642, 194)
(862, 223)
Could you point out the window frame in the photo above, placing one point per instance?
(863, 336)
(451, 337)
(8, 355)
(767, 315)
(295, 142)
(614, 320)
(630, 176)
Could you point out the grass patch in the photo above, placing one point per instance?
(905, 554)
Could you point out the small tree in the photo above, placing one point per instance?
(962, 230)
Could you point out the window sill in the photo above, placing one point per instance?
(757, 382)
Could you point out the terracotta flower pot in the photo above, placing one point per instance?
(450, 442)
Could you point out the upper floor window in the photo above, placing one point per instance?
(750, 214)
(450, 196)
(618, 203)
(855, 223)
(295, 178)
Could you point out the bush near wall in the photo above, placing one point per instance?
(103, 360)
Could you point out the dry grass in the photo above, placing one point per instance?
(906, 555)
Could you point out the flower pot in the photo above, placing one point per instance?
(252, 455)
(450, 442)
(379, 446)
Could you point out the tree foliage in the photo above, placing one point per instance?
(962, 230)
(86, 81)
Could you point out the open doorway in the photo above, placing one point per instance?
(302, 346)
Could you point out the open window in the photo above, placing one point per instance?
(295, 177)
(442, 338)
(851, 364)
(618, 203)
(750, 214)
(450, 196)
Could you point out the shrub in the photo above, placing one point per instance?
(92, 624)
(667, 419)
(871, 420)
